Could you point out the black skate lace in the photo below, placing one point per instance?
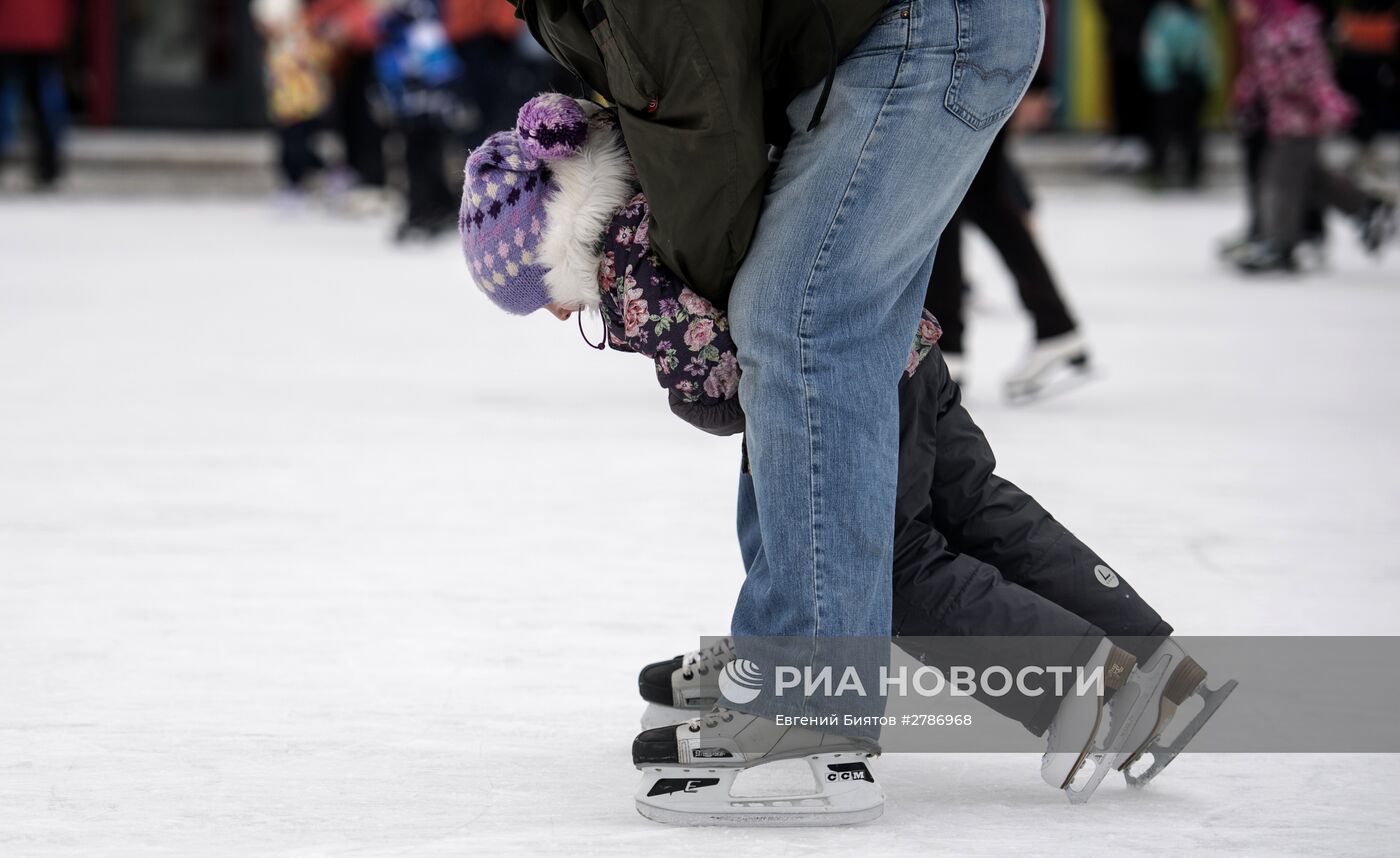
(702, 661)
(712, 718)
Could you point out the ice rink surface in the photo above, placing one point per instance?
(305, 550)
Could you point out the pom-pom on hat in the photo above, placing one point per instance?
(552, 126)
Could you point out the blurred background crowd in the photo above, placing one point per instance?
(372, 104)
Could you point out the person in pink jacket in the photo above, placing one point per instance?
(1287, 70)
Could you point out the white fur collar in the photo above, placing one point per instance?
(591, 186)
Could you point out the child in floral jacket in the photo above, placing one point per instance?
(588, 247)
(552, 218)
(1287, 72)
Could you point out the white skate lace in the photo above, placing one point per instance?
(702, 661)
(711, 718)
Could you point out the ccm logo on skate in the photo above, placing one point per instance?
(667, 786)
(849, 772)
(710, 753)
(1106, 576)
(741, 681)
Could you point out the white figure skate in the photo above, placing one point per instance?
(1079, 724)
(1140, 712)
(685, 686)
(1053, 365)
(689, 772)
(1178, 689)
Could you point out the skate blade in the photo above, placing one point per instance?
(659, 715)
(1116, 751)
(1082, 794)
(1162, 756)
(1063, 379)
(846, 794)
(1088, 748)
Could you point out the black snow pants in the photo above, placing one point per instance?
(976, 556)
(297, 156)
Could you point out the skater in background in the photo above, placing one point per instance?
(1180, 65)
(1288, 72)
(33, 38)
(1251, 118)
(551, 218)
(298, 87)
(485, 34)
(1129, 110)
(998, 203)
(1368, 69)
(420, 76)
(352, 26)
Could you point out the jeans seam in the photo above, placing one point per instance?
(803, 336)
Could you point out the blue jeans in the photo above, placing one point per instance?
(826, 303)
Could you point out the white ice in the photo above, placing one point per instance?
(305, 550)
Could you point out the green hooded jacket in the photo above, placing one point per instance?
(701, 88)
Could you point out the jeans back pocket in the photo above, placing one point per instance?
(999, 44)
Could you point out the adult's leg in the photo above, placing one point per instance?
(825, 303)
(43, 91)
(1163, 124)
(9, 102)
(947, 287)
(362, 136)
(488, 63)
(429, 197)
(997, 215)
(1192, 140)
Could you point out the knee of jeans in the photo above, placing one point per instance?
(763, 331)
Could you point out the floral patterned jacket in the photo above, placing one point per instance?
(1287, 71)
(648, 310)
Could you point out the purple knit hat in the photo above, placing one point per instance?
(500, 220)
(503, 201)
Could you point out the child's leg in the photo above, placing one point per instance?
(976, 616)
(1255, 143)
(991, 519)
(298, 159)
(1335, 190)
(1288, 169)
